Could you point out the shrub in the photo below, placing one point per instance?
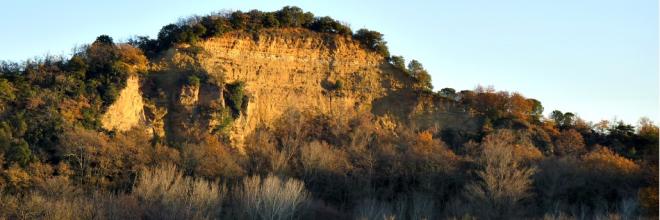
(426, 163)
(17, 179)
(263, 156)
(6, 91)
(569, 142)
(193, 80)
(517, 141)
(605, 161)
(210, 160)
(235, 97)
(321, 157)
(168, 194)
(325, 170)
(270, 198)
(503, 184)
(102, 161)
(36, 206)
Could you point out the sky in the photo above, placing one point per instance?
(597, 58)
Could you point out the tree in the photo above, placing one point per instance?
(328, 25)
(569, 142)
(647, 128)
(563, 120)
(20, 153)
(503, 183)
(270, 20)
(569, 120)
(104, 39)
(448, 93)
(6, 91)
(557, 116)
(101, 56)
(148, 46)
(168, 36)
(372, 40)
(292, 16)
(166, 193)
(417, 71)
(214, 26)
(537, 109)
(399, 62)
(270, 197)
(238, 20)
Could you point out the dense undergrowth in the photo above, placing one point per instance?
(56, 162)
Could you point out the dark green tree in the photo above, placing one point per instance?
(328, 25)
(448, 92)
(399, 62)
(417, 71)
(236, 97)
(372, 40)
(270, 20)
(292, 16)
(104, 39)
(168, 36)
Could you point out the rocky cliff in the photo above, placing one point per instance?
(281, 70)
(128, 110)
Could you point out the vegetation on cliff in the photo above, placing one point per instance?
(196, 28)
(57, 162)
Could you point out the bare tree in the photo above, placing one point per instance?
(270, 198)
(503, 183)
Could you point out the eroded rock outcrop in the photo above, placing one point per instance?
(279, 70)
(295, 68)
(127, 111)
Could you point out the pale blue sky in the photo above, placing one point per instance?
(598, 58)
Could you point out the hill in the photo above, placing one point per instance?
(223, 112)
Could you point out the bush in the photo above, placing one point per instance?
(193, 80)
(167, 194)
(36, 206)
(569, 142)
(503, 183)
(262, 155)
(605, 161)
(210, 160)
(270, 198)
(6, 91)
(235, 97)
(325, 170)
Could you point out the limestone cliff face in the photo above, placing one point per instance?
(282, 70)
(127, 112)
(299, 69)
